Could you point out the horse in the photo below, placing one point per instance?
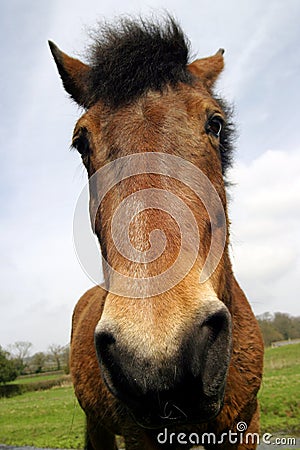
(167, 352)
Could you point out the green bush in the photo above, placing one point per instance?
(8, 367)
(10, 390)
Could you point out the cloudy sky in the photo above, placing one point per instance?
(41, 179)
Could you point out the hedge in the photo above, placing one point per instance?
(10, 390)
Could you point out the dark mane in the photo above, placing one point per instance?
(135, 56)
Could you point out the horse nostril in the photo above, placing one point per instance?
(215, 324)
(105, 345)
(215, 343)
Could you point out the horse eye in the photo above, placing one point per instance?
(215, 125)
(81, 143)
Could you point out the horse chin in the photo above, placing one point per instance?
(204, 414)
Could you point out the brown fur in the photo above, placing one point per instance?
(171, 121)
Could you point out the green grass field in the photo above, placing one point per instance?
(50, 418)
(280, 392)
(54, 419)
(37, 378)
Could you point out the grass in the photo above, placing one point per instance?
(50, 418)
(36, 378)
(280, 392)
(54, 419)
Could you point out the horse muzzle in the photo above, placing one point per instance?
(187, 387)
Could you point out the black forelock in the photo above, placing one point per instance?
(135, 56)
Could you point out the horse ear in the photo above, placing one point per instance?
(208, 69)
(74, 75)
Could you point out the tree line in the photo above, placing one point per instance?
(278, 327)
(18, 360)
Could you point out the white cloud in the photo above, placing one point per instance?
(265, 229)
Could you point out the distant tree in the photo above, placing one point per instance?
(8, 369)
(295, 327)
(56, 352)
(66, 359)
(278, 327)
(21, 351)
(38, 361)
(270, 334)
(282, 323)
(266, 316)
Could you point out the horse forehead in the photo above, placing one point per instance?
(155, 109)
